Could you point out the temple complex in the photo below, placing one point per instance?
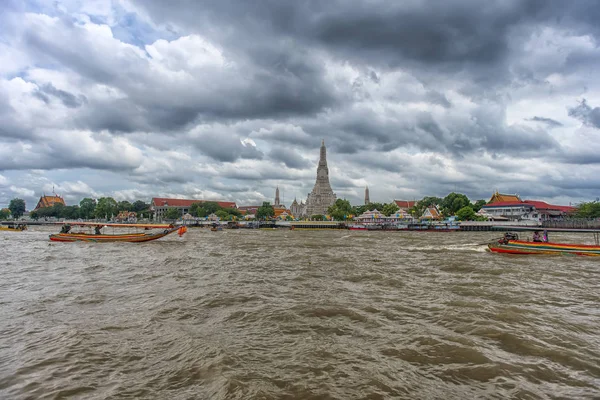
(49, 201)
(322, 196)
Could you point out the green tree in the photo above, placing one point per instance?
(340, 210)
(588, 210)
(223, 215)
(317, 217)
(124, 206)
(233, 211)
(454, 202)
(466, 214)
(358, 210)
(17, 208)
(478, 204)
(419, 208)
(106, 207)
(139, 205)
(172, 213)
(211, 207)
(197, 210)
(71, 212)
(4, 213)
(57, 210)
(389, 209)
(265, 211)
(87, 207)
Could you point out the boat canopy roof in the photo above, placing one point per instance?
(541, 229)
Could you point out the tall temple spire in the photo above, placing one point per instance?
(321, 197)
(367, 200)
(277, 196)
(323, 155)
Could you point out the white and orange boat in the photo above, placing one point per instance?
(510, 244)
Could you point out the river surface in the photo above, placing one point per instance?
(271, 314)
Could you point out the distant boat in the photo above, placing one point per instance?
(356, 227)
(13, 227)
(510, 244)
(156, 231)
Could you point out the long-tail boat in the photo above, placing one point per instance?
(154, 231)
(510, 244)
(13, 227)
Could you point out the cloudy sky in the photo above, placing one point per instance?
(227, 100)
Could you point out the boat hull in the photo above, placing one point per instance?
(9, 229)
(129, 238)
(531, 248)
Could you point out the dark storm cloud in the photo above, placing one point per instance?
(68, 99)
(224, 146)
(549, 121)
(586, 114)
(289, 157)
(276, 82)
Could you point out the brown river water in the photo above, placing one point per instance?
(272, 314)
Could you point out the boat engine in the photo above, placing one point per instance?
(508, 236)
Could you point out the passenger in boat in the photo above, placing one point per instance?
(97, 230)
(545, 237)
(65, 228)
(537, 237)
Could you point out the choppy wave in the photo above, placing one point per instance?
(297, 315)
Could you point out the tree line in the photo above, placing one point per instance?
(453, 204)
(88, 208)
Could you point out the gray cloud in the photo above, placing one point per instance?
(549, 121)
(68, 99)
(586, 114)
(289, 157)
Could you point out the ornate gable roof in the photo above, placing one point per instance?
(49, 201)
(499, 197)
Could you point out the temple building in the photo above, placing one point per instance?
(499, 197)
(298, 209)
(49, 201)
(322, 196)
(367, 199)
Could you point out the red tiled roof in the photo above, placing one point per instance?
(404, 203)
(161, 201)
(540, 205)
(49, 201)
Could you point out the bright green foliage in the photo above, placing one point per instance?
(172, 213)
(265, 211)
(478, 204)
(340, 210)
(233, 211)
(421, 205)
(466, 214)
(211, 207)
(106, 208)
(87, 207)
(318, 217)
(222, 214)
(588, 210)
(454, 202)
(197, 210)
(389, 209)
(17, 208)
